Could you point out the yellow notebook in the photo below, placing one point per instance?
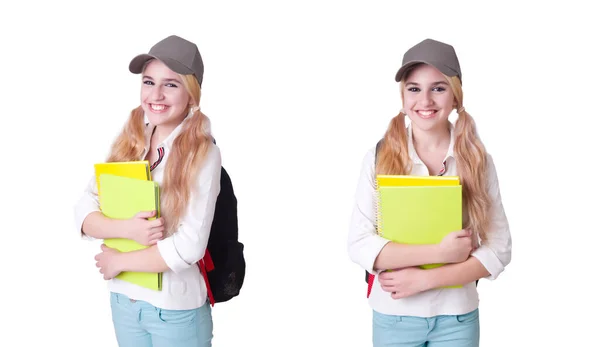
(419, 209)
(407, 180)
(121, 198)
(134, 169)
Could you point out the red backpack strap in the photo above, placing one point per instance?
(208, 261)
(370, 285)
(206, 264)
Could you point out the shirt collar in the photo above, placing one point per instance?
(413, 153)
(167, 143)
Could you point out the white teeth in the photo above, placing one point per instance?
(426, 113)
(157, 107)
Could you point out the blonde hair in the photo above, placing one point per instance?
(188, 152)
(470, 153)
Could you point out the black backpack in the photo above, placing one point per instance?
(367, 274)
(223, 266)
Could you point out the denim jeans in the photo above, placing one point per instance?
(139, 324)
(439, 331)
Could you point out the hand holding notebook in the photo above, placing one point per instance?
(144, 228)
(422, 210)
(456, 246)
(126, 192)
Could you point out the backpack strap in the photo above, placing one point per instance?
(379, 143)
(206, 264)
(370, 278)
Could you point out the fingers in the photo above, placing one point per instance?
(465, 242)
(398, 295)
(155, 234)
(388, 288)
(154, 237)
(384, 276)
(463, 233)
(105, 276)
(157, 223)
(145, 214)
(385, 281)
(469, 244)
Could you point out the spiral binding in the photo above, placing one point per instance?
(379, 230)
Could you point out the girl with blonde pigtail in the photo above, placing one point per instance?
(187, 165)
(412, 306)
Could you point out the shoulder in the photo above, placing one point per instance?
(213, 154)
(212, 160)
(210, 167)
(369, 156)
(372, 152)
(368, 162)
(492, 174)
(491, 166)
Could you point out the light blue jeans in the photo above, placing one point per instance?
(139, 324)
(439, 331)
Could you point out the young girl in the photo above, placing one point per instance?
(186, 164)
(410, 307)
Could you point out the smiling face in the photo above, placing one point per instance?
(427, 97)
(164, 97)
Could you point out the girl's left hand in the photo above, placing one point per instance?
(108, 262)
(403, 282)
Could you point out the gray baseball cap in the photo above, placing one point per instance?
(435, 53)
(180, 55)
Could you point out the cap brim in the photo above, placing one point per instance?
(441, 67)
(137, 64)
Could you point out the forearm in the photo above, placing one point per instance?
(456, 274)
(99, 226)
(396, 255)
(144, 260)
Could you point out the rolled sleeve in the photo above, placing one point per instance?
(364, 244)
(188, 244)
(495, 254)
(87, 203)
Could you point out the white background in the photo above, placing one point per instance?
(297, 93)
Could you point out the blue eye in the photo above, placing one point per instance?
(414, 89)
(148, 83)
(439, 89)
(171, 85)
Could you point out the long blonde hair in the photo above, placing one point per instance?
(184, 162)
(471, 160)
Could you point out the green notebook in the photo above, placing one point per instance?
(121, 198)
(419, 214)
(133, 169)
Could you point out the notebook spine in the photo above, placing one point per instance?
(378, 208)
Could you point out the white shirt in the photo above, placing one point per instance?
(364, 244)
(183, 286)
